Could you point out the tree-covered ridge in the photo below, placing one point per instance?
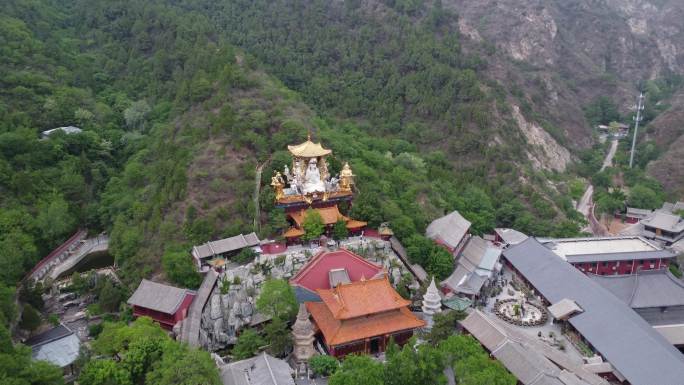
(176, 122)
(404, 73)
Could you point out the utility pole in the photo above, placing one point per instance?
(637, 119)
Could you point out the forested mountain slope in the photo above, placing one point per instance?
(564, 56)
(176, 121)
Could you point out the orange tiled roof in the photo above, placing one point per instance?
(293, 232)
(338, 332)
(330, 215)
(361, 298)
(354, 224)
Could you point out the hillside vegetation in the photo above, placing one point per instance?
(176, 121)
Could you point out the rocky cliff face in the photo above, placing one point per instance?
(559, 55)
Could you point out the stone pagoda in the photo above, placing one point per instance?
(432, 303)
(308, 184)
(303, 336)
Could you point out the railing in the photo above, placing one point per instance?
(79, 235)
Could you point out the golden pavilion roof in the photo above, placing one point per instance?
(308, 149)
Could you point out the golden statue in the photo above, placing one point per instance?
(346, 178)
(277, 183)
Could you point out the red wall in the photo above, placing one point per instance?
(167, 321)
(182, 311)
(274, 248)
(621, 267)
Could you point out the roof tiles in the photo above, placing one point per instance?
(362, 298)
(315, 274)
(157, 296)
(627, 341)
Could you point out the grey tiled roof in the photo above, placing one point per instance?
(627, 341)
(521, 356)
(653, 288)
(475, 265)
(260, 370)
(55, 333)
(450, 229)
(157, 296)
(225, 245)
(510, 236)
(59, 346)
(464, 281)
(665, 221)
(638, 213)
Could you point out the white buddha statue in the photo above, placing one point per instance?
(312, 178)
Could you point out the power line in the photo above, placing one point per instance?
(637, 119)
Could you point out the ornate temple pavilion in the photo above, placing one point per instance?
(310, 185)
(361, 317)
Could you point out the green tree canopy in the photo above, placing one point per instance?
(181, 365)
(116, 337)
(643, 197)
(601, 111)
(323, 365)
(340, 230)
(245, 255)
(471, 364)
(17, 367)
(180, 269)
(30, 318)
(109, 296)
(445, 324)
(146, 355)
(248, 344)
(277, 299)
(358, 370)
(410, 366)
(104, 372)
(313, 225)
(8, 309)
(279, 337)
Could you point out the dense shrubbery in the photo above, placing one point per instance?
(425, 364)
(323, 365)
(18, 368)
(145, 355)
(125, 80)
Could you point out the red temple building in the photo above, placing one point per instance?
(361, 317)
(165, 304)
(328, 269)
(310, 185)
(611, 255)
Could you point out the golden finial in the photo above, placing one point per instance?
(308, 134)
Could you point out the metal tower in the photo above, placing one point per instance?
(637, 119)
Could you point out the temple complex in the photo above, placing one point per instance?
(309, 184)
(361, 317)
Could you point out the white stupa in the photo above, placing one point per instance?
(432, 303)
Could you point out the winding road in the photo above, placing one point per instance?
(586, 203)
